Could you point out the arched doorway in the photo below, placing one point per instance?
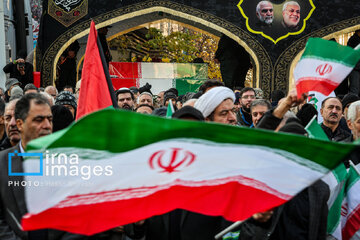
(128, 18)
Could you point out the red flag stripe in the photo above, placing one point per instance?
(322, 85)
(352, 224)
(94, 91)
(227, 199)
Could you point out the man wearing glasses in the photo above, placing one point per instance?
(247, 96)
(265, 13)
(291, 15)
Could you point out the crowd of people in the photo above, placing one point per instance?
(28, 112)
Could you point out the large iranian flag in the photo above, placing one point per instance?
(131, 167)
(323, 66)
(185, 77)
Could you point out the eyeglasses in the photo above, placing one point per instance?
(248, 96)
(267, 10)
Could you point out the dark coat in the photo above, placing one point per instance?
(192, 226)
(338, 135)
(317, 194)
(14, 73)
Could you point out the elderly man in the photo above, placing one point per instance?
(257, 109)
(247, 95)
(353, 120)
(12, 132)
(125, 99)
(265, 13)
(291, 15)
(52, 91)
(331, 111)
(145, 98)
(217, 105)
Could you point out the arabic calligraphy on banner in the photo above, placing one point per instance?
(67, 12)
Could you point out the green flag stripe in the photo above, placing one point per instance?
(120, 131)
(330, 51)
(353, 178)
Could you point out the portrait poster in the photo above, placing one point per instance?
(276, 19)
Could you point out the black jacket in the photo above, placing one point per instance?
(338, 135)
(14, 73)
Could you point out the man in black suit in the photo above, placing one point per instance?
(34, 119)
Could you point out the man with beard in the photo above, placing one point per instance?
(291, 15)
(12, 132)
(217, 105)
(331, 111)
(125, 99)
(265, 13)
(247, 96)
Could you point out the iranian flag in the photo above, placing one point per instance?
(344, 203)
(96, 178)
(323, 66)
(185, 77)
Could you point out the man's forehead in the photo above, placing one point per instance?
(227, 104)
(259, 108)
(333, 101)
(266, 5)
(250, 92)
(124, 95)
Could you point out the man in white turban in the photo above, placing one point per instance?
(217, 105)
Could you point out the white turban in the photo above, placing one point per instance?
(207, 103)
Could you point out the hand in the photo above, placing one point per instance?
(292, 100)
(20, 60)
(263, 217)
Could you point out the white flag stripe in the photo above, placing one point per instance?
(157, 70)
(307, 68)
(213, 161)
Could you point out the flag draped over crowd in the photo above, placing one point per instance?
(323, 66)
(185, 77)
(131, 167)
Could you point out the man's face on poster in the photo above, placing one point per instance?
(265, 12)
(291, 15)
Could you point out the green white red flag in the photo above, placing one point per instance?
(344, 203)
(131, 167)
(323, 66)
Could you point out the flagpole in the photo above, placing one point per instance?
(228, 229)
(106, 71)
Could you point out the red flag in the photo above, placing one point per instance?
(95, 91)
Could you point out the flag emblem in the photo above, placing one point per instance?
(172, 160)
(324, 69)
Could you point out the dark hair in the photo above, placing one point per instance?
(261, 102)
(30, 86)
(2, 107)
(209, 84)
(245, 90)
(68, 86)
(144, 105)
(276, 95)
(323, 103)
(22, 106)
(124, 90)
